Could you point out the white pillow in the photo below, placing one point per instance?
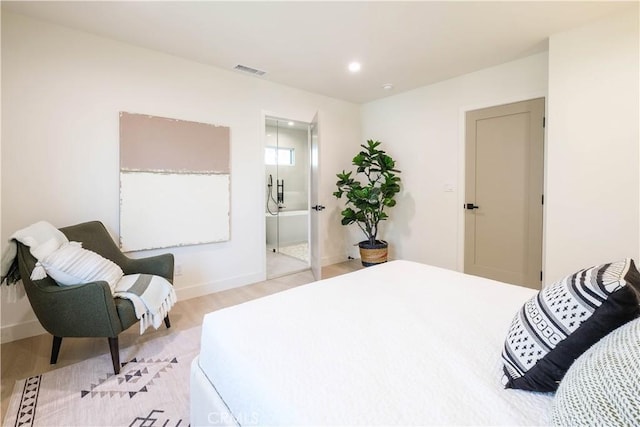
(73, 265)
(602, 386)
(47, 248)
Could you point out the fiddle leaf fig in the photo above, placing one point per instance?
(367, 200)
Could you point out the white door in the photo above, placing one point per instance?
(314, 202)
(503, 190)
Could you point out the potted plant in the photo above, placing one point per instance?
(367, 200)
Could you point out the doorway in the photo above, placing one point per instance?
(504, 192)
(287, 165)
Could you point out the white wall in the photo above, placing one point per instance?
(62, 90)
(592, 213)
(423, 131)
(591, 160)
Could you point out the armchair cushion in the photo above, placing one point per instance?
(73, 265)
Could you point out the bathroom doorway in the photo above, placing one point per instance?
(287, 165)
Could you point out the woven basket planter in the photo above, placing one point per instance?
(373, 254)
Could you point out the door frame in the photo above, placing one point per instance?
(264, 114)
(315, 248)
(462, 169)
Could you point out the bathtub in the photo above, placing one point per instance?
(294, 226)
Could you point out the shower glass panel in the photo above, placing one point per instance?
(286, 160)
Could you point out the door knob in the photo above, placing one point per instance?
(471, 206)
(317, 208)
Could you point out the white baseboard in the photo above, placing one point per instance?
(199, 290)
(335, 259)
(19, 331)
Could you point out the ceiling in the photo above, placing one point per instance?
(308, 45)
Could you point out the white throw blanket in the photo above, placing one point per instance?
(152, 297)
(42, 239)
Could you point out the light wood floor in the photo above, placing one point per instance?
(30, 356)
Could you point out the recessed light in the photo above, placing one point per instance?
(290, 123)
(387, 86)
(354, 67)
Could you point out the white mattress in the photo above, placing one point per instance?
(401, 343)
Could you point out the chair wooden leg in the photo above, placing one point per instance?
(115, 354)
(55, 349)
(167, 322)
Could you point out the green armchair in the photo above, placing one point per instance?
(88, 310)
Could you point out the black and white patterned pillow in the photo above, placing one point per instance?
(563, 320)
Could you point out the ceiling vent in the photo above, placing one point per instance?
(249, 70)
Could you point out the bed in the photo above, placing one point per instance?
(401, 343)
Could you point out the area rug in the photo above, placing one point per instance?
(152, 388)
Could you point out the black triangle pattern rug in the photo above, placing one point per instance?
(152, 388)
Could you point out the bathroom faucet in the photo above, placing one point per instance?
(280, 190)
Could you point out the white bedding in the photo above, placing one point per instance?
(401, 343)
